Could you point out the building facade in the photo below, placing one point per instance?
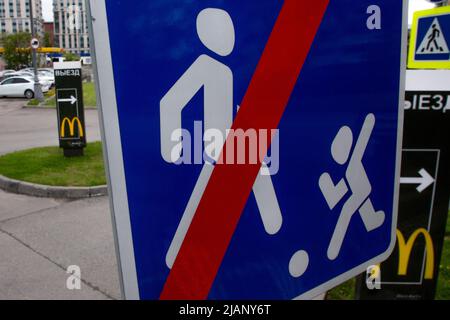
(15, 16)
(71, 29)
(49, 28)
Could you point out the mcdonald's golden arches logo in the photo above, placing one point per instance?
(405, 248)
(71, 124)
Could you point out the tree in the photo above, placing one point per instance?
(69, 56)
(17, 53)
(47, 40)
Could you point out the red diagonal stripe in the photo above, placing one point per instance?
(229, 187)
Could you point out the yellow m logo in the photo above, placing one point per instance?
(71, 123)
(405, 248)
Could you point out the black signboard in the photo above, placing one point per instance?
(411, 271)
(70, 108)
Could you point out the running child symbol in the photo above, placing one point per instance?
(356, 180)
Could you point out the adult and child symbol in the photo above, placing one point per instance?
(216, 31)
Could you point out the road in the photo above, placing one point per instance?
(39, 237)
(27, 128)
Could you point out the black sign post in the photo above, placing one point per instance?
(411, 271)
(70, 108)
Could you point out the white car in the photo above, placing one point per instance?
(44, 79)
(44, 76)
(6, 72)
(47, 76)
(26, 70)
(19, 87)
(50, 70)
(23, 74)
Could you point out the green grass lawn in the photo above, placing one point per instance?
(443, 288)
(346, 291)
(47, 95)
(89, 97)
(48, 166)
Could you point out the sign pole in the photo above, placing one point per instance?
(37, 86)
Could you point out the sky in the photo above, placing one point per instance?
(415, 5)
(47, 10)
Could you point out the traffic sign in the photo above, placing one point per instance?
(430, 39)
(411, 272)
(70, 107)
(34, 43)
(252, 146)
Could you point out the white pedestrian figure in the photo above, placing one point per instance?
(216, 31)
(356, 179)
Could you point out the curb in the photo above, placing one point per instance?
(38, 190)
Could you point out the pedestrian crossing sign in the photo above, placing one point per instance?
(430, 39)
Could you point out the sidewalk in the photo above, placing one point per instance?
(40, 238)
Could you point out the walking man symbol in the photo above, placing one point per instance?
(215, 30)
(434, 41)
(356, 180)
(435, 34)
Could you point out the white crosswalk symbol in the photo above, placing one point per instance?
(434, 41)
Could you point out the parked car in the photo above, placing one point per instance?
(44, 71)
(8, 75)
(44, 79)
(19, 87)
(47, 76)
(23, 73)
(6, 72)
(50, 70)
(18, 74)
(26, 70)
(43, 75)
(31, 70)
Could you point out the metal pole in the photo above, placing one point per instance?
(78, 29)
(37, 86)
(442, 4)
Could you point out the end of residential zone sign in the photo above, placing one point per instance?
(253, 146)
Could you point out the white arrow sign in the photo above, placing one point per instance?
(72, 100)
(424, 181)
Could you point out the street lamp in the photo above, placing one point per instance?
(38, 95)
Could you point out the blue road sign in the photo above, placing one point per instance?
(182, 83)
(430, 39)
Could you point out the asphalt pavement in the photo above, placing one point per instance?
(41, 237)
(28, 128)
